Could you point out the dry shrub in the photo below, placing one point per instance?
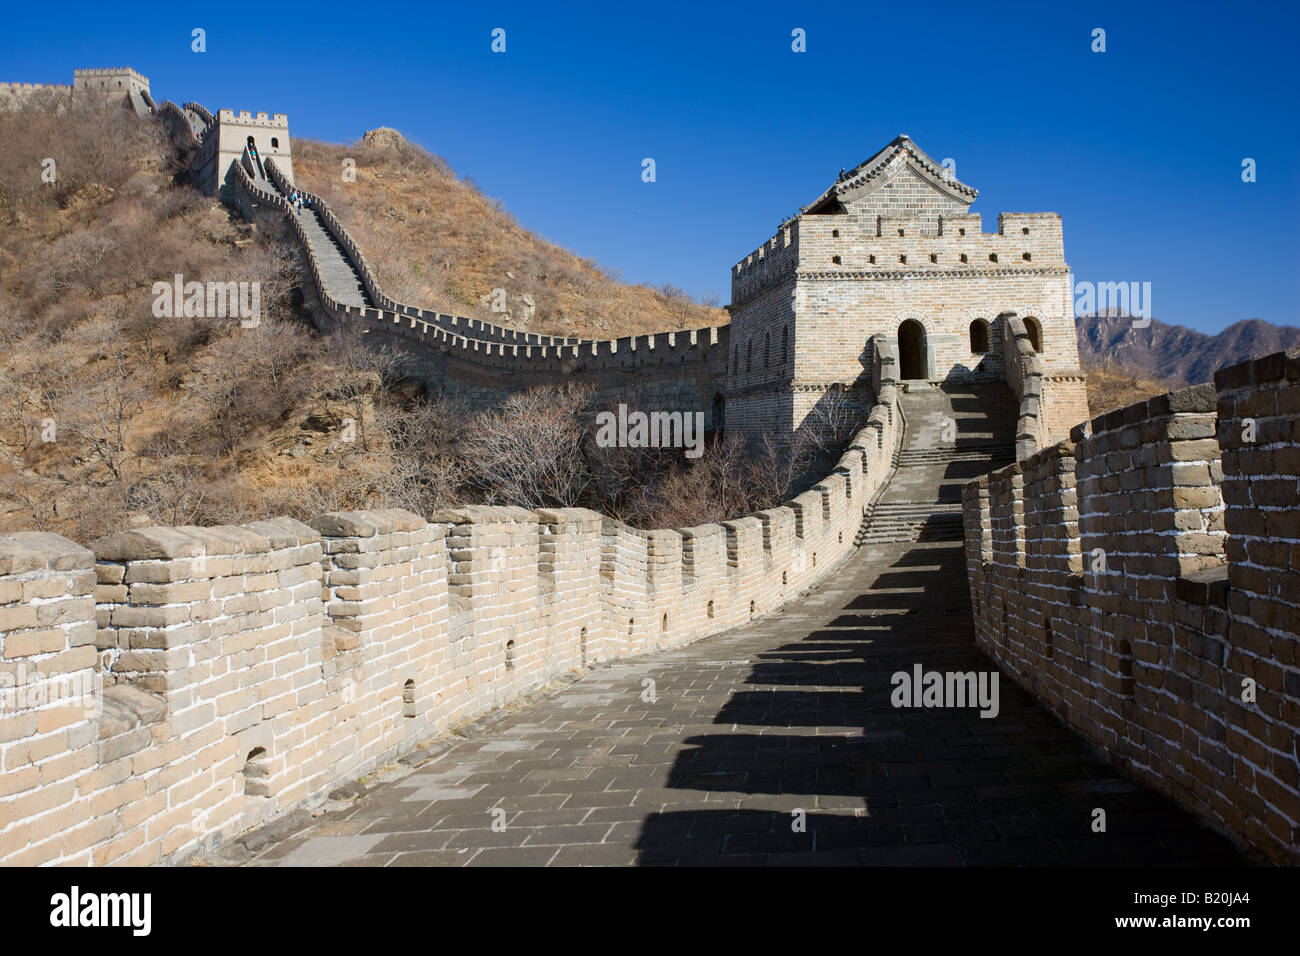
(436, 241)
(174, 420)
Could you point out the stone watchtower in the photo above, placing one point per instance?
(117, 81)
(234, 132)
(891, 248)
(110, 86)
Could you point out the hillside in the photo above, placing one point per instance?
(1109, 389)
(113, 416)
(1174, 353)
(436, 241)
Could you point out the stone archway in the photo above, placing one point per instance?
(912, 350)
(1035, 332)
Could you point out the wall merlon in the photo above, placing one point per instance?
(1112, 568)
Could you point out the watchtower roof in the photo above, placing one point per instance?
(866, 177)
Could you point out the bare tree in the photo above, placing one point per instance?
(529, 453)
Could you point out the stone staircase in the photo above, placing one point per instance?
(953, 434)
(336, 269)
(197, 123)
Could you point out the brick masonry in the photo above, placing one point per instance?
(1140, 579)
(227, 675)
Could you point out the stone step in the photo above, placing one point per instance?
(335, 268)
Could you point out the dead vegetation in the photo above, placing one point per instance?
(436, 241)
(112, 416)
(1109, 389)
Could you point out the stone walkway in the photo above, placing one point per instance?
(777, 743)
(748, 730)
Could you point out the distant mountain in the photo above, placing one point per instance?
(1175, 353)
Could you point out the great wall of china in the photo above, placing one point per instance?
(240, 672)
(1141, 578)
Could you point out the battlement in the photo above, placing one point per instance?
(29, 87)
(111, 80)
(770, 264)
(224, 138)
(236, 673)
(494, 346)
(104, 85)
(1134, 578)
(944, 243)
(201, 111)
(247, 118)
(110, 72)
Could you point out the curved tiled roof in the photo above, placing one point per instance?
(867, 176)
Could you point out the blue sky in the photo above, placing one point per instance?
(1138, 148)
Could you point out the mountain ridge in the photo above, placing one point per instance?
(1174, 353)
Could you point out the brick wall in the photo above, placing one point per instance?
(1140, 579)
(168, 688)
(482, 362)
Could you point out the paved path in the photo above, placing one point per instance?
(336, 268)
(789, 714)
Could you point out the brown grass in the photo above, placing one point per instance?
(1111, 389)
(437, 242)
(111, 417)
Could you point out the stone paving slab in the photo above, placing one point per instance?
(778, 744)
(751, 729)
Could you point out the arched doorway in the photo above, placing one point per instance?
(1035, 333)
(979, 337)
(911, 350)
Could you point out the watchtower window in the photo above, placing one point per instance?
(1024, 231)
(900, 232)
(836, 260)
(979, 337)
(963, 257)
(835, 233)
(961, 232)
(993, 257)
(1026, 257)
(275, 142)
(903, 259)
(934, 257)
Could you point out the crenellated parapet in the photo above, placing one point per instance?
(1139, 579)
(90, 87)
(188, 684)
(498, 351)
(768, 266)
(24, 89)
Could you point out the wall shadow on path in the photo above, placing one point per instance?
(899, 786)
